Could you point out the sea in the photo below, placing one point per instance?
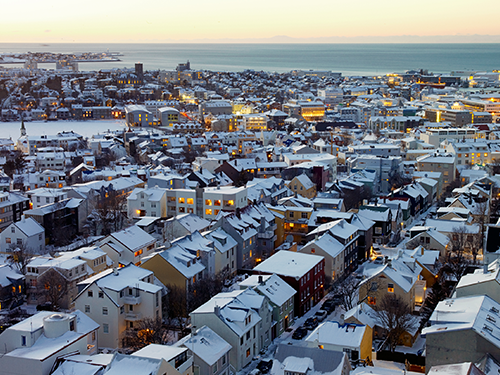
(349, 59)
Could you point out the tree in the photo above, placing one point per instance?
(202, 290)
(353, 198)
(145, 332)
(438, 293)
(20, 256)
(176, 306)
(394, 314)
(52, 285)
(349, 290)
(109, 212)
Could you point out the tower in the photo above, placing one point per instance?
(23, 128)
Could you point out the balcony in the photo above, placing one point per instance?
(133, 317)
(266, 235)
(132, 300)
(184, 366)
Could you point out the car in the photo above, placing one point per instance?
(320, 315)
(311, 323)
(329, 306)
(265, 366)
(299, 333)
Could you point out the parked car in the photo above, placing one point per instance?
(320, 315)
(299, 333)
(311, 323)
(329, 306)
(265, 366)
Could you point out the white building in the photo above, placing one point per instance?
(223, 198)
(27, 233)
(116, 298)
(147, 202)
(32, 346)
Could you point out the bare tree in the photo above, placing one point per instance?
(481, 214)
(145, 332)
(109, 213)
(52, 285)
(203, 289)
(394, 314)
(349, 290)
(20, 256)
(413, 243)
(176, 306)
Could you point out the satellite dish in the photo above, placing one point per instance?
(289, 238)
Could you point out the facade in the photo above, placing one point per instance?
(27, 233)
(116, 298)
(33, 345)
(12, 206)
(147, 202)
(303, 272)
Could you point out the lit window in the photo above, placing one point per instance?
(230, 202)
(208, 211)
(217, 202)
(182, 200)
(190, 201)
(138, 252)
(390, 288)
(208, 202)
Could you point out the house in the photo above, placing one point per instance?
(303, 186)
(389, 277)
(280, 296)
(382, 216)
(226, 250)
(210, 351)
(72, 266)
(129, 245)
(116, 298)
(137, 365)
(298, 360)
(342, 253)
(12, 207)
(12, 287)
(175, 266)
(27, 233)
(238, 323)
(303, 272)
(481, 282)
(177, 359)
(43, 196)
(33, 345)
(353, 339)
(202, 247)
(473, 320)
(147, 202)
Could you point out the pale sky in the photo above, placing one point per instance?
(110, 21)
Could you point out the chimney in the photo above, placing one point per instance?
(261, 280)
(341, 320)
(115, 271)
(217, 310)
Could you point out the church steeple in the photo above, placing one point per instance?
(23, 129)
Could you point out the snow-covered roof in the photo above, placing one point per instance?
(132, 238)
(272, 286)
(345, 335)
(288, 263)
(206, 344)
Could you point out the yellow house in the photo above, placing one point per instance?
(175, 266)
(291, 221)
(303, 186)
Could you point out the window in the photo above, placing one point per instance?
(122, 309)
(230, 202)
(104, 311)
(182, 209)
(23, 340)
(208, 211)
(214, 368)
(90, 294)
(101, 294)
(303, 215)
(208, 202)
(19, 241)
(87, 308)
(13, 229)
(390, 288)
(217, 202)
(248, 353)
(290, 215)
(105, 328)
(182, 200)
(190, 201)
(7, 240)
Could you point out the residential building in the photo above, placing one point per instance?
(26, 233)
(33, 345)
(303, 272)
(117, 298)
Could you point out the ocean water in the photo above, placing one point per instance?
(349, 59)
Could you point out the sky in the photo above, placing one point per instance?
(127, 21)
